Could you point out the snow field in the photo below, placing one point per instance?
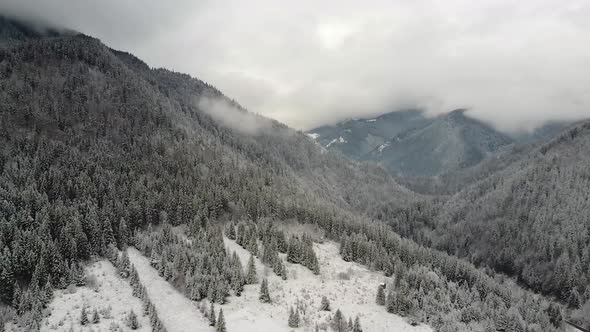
(106, 292)
(349, 287)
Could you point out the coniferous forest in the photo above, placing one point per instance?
(99, 152)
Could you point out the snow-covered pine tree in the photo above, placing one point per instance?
(221, 322)
(95, 316)
(339, 322)
(231, 232)
(132, 322)
(251, 277)
(123, 234)
(212, 320)
(357, 325)
(390, 302)
(293, 251)
(293, 318)
(83, 316)
(380, 299)
(264, 295)
(124, 265)
(325, 305)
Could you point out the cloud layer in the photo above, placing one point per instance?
(515, 64)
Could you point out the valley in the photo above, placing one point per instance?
(132, 199)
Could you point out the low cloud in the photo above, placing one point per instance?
(514, 64)
(229, 115)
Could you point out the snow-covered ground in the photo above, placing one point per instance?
(105, 292)
(350, 287)
(177, 313)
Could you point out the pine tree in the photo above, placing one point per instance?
(79, 278)
(264, 295)
(574, 300)
(357, 325)
(221, 322)
(231, 234)
(124, 265)
(390, 303)
(380, 295)
(212, 320)
(251, 277)
(83, 316)
(123, 234)
(325, 305)
(16, 298)
(338, 321)
(95, 316)
(132, 322)
(293, 318)
(350, 324)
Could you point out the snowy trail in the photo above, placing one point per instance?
(176, 311)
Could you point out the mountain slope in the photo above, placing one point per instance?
(531, 218)
(417, 148)
(95, 145)
(409, 144)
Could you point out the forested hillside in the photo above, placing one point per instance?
(525, 215)
(95, 146)
(531, 219)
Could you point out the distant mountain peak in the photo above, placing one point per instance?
(409, 143)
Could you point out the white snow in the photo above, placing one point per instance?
(349, 287)
(382, 146)
(104, 290)
(371, 120)
(336, 140)
(313, 135)
(177, 313)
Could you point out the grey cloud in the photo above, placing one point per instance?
(228, 115)
(306, 63)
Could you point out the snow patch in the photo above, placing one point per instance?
(382, 146)
(339, 140)
(313, 135)
(371, 120)
(105, 290)
(350, 287)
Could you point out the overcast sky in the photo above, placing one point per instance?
(310, 62)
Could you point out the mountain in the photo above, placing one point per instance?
(99, 152)
(530, 218)
(411, 145)
(524, 213)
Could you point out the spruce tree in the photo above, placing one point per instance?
(132, 322)
(212, 319)
(325, 305)
(338, 321)
(95, 316)
(390, 303)
(264, 295)
(357, 325)
(83, 316)
(380, 295)
(293, 318)
(251, 277)
(221, 322)
(231, 234)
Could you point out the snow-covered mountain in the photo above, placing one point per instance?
(410, 144)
